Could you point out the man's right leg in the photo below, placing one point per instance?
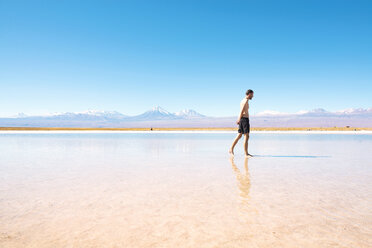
(231, 151)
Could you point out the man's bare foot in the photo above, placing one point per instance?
(248, 155)
(231, 152)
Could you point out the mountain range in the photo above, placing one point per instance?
(156, 113)
(321, 112)
(159, 117)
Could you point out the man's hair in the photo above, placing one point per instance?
(249, 92)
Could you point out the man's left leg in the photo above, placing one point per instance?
(231, 151)
(246, 137)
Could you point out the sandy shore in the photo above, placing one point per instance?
(199, 130)
(185, 131)
(320, 130)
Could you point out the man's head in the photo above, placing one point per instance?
(249, 94)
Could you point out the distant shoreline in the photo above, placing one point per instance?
(185, 130)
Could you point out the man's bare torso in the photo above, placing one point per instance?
(245, 106)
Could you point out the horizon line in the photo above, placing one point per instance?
(157, 107)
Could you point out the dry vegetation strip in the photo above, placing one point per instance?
(186, 129)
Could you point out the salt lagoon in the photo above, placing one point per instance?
(162, 189)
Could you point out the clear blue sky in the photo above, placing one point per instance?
(129, 56)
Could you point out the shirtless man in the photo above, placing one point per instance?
(243, 122)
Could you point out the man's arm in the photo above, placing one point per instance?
(241, 112)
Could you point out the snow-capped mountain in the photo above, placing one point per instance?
(318, 112)
(102, 113)
(159, 113)
(84, 115)
(189, 113)
(354, 111)
(19, 115)
(156, 113)
(315, 112)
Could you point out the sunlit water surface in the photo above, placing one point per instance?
(183, 190)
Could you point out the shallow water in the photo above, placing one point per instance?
(183, 190)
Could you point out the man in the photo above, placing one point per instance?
(243, 122)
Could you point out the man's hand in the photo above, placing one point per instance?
(237, 122)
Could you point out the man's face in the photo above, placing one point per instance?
(250, 96)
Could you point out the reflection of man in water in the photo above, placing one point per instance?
(243, 122)
(244, 182)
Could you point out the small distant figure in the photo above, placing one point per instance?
(150, 129)
(243, 122)
(347, 126)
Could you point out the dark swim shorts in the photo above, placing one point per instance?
(244, 125)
